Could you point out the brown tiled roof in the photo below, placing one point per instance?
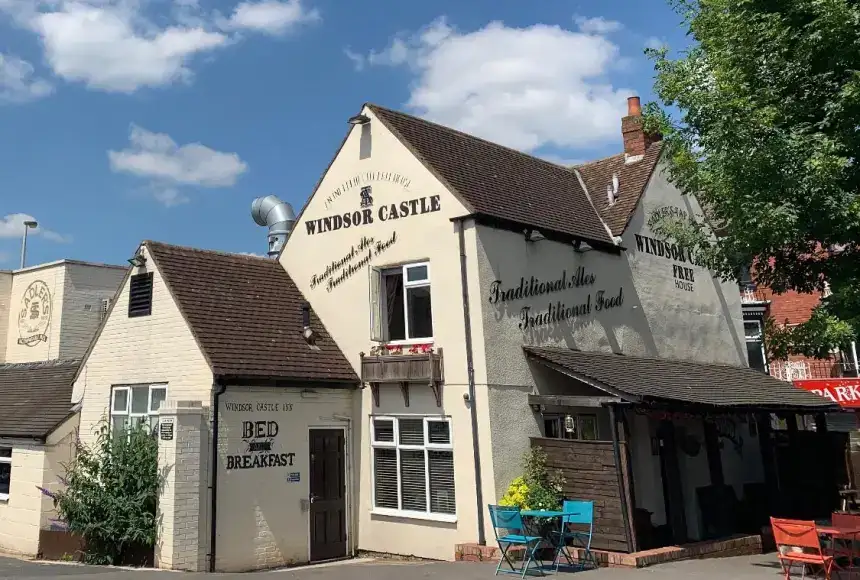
(632, 179)
(246, 314)
(690, 382)
(498, 182)
(35, 397)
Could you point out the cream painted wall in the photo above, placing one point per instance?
(368, 153)
(261, 520)
(59, 451)
(158, 348)
(47, 325)
(76, 292)
(5, 313)
(21, 514)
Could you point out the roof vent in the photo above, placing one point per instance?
(612, 190)
(278, 216)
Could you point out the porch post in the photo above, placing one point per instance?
(768, 457)
(712, 448)
(622, 463)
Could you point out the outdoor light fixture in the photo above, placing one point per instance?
(359, 120)
(533, 235)
(138, 261)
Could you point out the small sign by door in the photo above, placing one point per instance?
(165, 429)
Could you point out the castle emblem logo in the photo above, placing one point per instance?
(366, 198)
(34, 318)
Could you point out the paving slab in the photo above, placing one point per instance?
(762, 567)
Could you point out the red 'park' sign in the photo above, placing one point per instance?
(846, 392)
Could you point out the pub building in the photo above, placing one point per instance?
(439, 305)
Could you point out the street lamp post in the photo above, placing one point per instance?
(27, 225)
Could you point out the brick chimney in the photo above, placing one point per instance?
(636, 141)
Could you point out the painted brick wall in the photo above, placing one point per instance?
(20, 515)
(85, 288)
(158, 348)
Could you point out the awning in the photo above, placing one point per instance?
(843, 391)
(644, 380)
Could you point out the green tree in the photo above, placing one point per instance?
(760, 120)
(111, 494)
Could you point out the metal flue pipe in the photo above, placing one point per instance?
(278, 216)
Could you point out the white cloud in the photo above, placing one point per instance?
(270, 16)
(125, 45)
(18, 83)
(358, 60)
(169, 166)
(522, 87)
(598, 25)
(12, 226)
(655, 43)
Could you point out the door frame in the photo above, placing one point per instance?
(347, 497)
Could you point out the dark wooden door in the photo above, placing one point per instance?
(327, 494)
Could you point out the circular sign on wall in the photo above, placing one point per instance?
(34, 317)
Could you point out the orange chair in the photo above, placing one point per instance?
(842, 545)
(792, 534)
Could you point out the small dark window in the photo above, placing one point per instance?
(140, 295)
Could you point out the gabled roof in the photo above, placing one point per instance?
(632, 180)
(246, 315)
(35, 397)
(500, 183)
(643, 379)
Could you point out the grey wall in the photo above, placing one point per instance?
(656, 318)
(83, 291)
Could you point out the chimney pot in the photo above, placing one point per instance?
(634, 108)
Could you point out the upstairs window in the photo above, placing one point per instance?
(755, 345)
(400, 303)
(136, 405)
(140, 295)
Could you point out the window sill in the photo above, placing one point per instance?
(408, 342)
(4, 497)
(450, 518)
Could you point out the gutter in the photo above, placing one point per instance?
(470, 367)
(218, 388)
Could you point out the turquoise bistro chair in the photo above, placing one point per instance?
(582, 513)
(510, 531)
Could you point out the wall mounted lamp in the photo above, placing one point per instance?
(138, 261)
(359, 119)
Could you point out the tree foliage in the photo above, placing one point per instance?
(761, 122)
(111, 493)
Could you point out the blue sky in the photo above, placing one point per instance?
(123, 120)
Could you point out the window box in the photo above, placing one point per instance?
(405, 370)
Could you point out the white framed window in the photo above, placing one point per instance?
(5, 472)
(400, 304)
(135, 405)
(413, 467)
(755, 345)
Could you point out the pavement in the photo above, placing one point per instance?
(762, 567)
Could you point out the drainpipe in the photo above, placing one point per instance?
(473, 412)
(218, 389)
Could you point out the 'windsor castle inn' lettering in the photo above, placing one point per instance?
(684, 276)
(365, 216)
(558, 311)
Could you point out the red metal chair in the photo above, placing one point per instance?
(790, 535)
(843, 546)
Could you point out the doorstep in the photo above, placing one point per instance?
(722, 548)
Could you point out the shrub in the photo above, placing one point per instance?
(111, 494)
(537, 488)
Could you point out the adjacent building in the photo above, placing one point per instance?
(48, 315)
